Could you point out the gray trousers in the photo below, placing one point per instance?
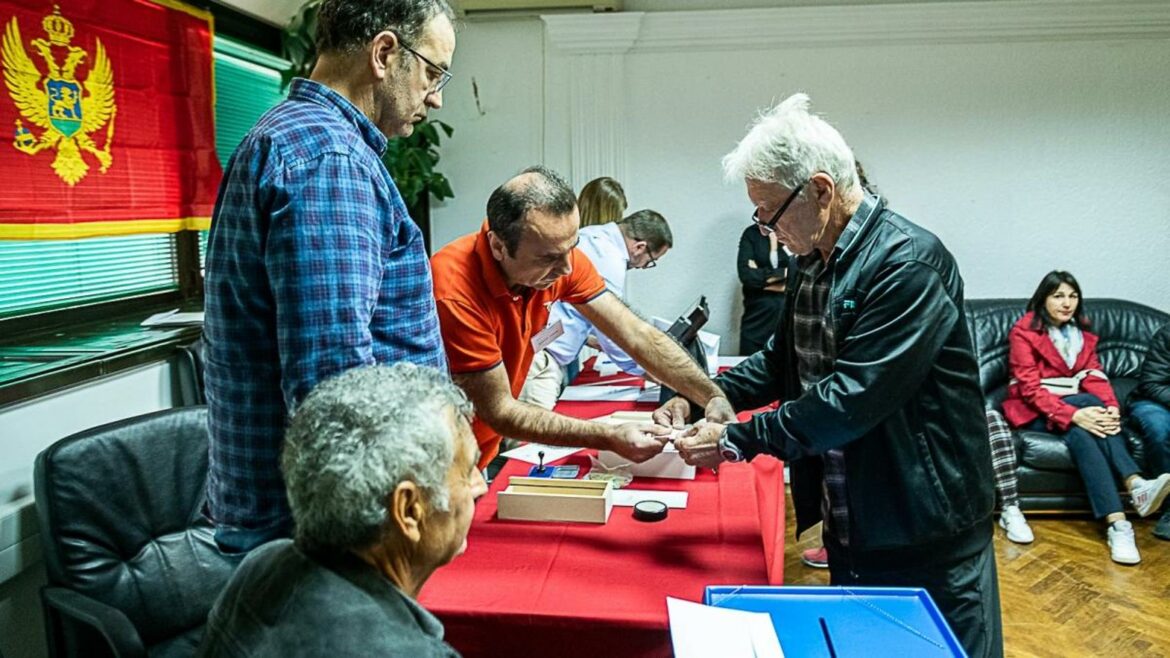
(966, 590)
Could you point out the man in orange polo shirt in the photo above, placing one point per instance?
(494, 288)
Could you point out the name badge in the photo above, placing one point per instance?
(548, 335)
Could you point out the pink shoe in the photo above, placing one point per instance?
(817, 558)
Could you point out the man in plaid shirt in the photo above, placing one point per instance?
(314, 266)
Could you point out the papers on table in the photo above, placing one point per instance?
(650, 393)
(601, 393)
(604, 366)
(630, 497)
(528, 453)
(700, 631)
(173, 318)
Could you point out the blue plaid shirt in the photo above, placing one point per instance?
(313, 268)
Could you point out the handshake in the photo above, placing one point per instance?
(697, 444)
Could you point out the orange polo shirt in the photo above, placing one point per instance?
(483, 323)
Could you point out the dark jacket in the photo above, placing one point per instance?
(903, 399)
(282, 602)
(761, 308)
(1154, 378)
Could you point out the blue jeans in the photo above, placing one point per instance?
(234, 540)
(1154, 422)
(1096, 459)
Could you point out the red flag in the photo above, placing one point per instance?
(106, 118)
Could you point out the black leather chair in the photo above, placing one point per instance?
(132, 565)
(1048, 480)
(188, 374)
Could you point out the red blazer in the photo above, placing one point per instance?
(1033, 357)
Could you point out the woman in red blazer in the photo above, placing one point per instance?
(1051, 342)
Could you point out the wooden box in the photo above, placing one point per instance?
(546, 499)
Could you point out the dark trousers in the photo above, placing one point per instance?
(966, 591)
(1096, 459)
(1154, 421)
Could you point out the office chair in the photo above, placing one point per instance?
(188, 373)
(132, 565)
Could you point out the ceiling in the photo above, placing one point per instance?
(278, 12)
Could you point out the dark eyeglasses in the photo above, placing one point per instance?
(653, 262)
(770, 227)
(444, 74)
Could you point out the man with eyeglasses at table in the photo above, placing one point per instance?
(636, 242)
(494, 288)
(314, 266)
(881, 420)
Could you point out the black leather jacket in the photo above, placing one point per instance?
(1154, 378)
(903, 399)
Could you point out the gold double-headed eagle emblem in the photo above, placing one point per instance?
(68, 110)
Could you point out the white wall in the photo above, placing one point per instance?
(1028, 135)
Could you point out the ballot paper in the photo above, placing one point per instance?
(601, 393)
(629, 497)
(529, 452)
(173, 318)
(701, 631)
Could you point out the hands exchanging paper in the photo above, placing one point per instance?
(698, 445)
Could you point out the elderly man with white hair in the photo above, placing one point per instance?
(882, 417)
(380, 465)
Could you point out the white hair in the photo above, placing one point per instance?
(355, 438)
(787, 145)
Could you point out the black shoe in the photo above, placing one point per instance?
(1162, 530)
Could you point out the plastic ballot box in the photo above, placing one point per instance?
(846, 622)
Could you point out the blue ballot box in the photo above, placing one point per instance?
(846, 622)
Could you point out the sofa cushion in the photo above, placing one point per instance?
(1043, 451)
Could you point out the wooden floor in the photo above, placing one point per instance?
(1062, 596)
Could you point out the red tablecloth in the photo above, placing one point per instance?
(571, 589)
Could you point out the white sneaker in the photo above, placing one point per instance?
(1018, 530)
(1122, 547)
(1148, 494)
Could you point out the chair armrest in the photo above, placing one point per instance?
(110, 622)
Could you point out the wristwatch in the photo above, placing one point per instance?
(729, 451)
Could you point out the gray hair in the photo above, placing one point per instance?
(348, 25)
(545, 191)
(355, 438)
(649, 226)
(787, 145)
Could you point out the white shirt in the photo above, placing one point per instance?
(605, 246)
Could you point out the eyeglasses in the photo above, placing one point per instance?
(770, 227)
(653, 262)
(444, 74)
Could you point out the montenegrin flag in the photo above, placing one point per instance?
(106, 118)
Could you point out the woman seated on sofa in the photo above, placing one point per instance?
(1058, 386)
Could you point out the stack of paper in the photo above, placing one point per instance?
(701, 631)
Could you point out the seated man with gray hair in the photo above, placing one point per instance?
(380, 465)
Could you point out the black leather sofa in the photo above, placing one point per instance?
(1048, 480)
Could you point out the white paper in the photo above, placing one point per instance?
(173, 318)
(601, 393)
(629, 497)
(620, 417)
(701, 631)
(528, 453)
(650, 393)
(605, 366)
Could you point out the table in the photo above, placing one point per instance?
(569, 589)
